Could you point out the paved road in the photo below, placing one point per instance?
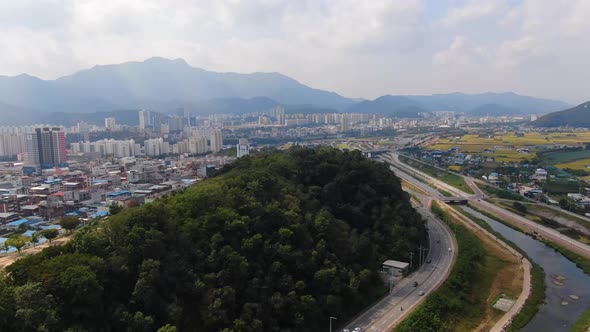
(387, 313)
(506, 319)
(507, 216)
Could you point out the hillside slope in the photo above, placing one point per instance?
(578, 116)
(278, 241)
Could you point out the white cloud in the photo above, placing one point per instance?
(472, 10)
(354, 47)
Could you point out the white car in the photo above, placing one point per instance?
(357, 329)
(420, 293)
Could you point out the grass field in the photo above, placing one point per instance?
(547, 222)
(562, 157)
(447, 177)
(537, 296)
(505, 145)
(578, 164)
(483, 271)
(342, 146)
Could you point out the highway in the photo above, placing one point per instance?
(476, 201)
(387, 313)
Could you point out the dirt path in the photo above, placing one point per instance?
(10, 258)
(514, 277)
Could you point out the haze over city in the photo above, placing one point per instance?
(355, 48)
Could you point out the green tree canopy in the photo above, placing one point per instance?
(276, 241)
(69, 223)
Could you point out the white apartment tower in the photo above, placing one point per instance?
(144, 119)
(216, 140)
(243, 147)
(110, 124)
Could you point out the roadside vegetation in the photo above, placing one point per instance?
(527, 212)
(500, 193)
(537, 296)
(453, 301)
(442, 175)
(464, 302)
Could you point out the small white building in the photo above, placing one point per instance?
(540, 174)
(394, 268)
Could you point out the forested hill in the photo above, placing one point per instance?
(277, 241)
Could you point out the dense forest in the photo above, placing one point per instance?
(276, 241)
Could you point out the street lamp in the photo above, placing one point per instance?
(334, 318)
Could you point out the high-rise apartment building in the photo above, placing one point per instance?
(144, 119)
(243, 147)
(216, 140)
(46, 147)
(279, 114)
(110, 124)
(11, 144)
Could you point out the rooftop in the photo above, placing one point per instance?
(395, 264)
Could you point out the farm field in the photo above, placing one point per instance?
(578, 164)
(562, 157)
(504, 146)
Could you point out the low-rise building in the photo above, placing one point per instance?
(395, 268)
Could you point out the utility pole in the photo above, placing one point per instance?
(331, 322)
(420, 255)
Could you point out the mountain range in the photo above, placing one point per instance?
(578, 117)
(166, 85)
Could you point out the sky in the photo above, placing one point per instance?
(357, 48)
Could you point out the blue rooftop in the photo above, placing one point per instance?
(119, 193)
(100, 214)
(52, 181)
(17, 223)
(51, 227)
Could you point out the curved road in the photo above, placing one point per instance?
(387, 313)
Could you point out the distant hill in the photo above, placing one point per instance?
(578, 116)
(165, 85)
(493, 104)
(398, 106)
(493, 109)
(155, 83)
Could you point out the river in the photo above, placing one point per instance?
(562, 279)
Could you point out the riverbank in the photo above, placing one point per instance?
(483, 271)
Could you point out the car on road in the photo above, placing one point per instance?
(420, 293)
(357, 329)
(429, 261)
(450, 250)
(346, 330)
(415, 284)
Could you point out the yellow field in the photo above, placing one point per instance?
(578, 164)
(506, 144)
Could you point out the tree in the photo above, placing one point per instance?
(50, 234)
(69, 223)
(167, 328)
(519, 207)
(35, 309)
(17, 241)
(114, 209)
(34, 239)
